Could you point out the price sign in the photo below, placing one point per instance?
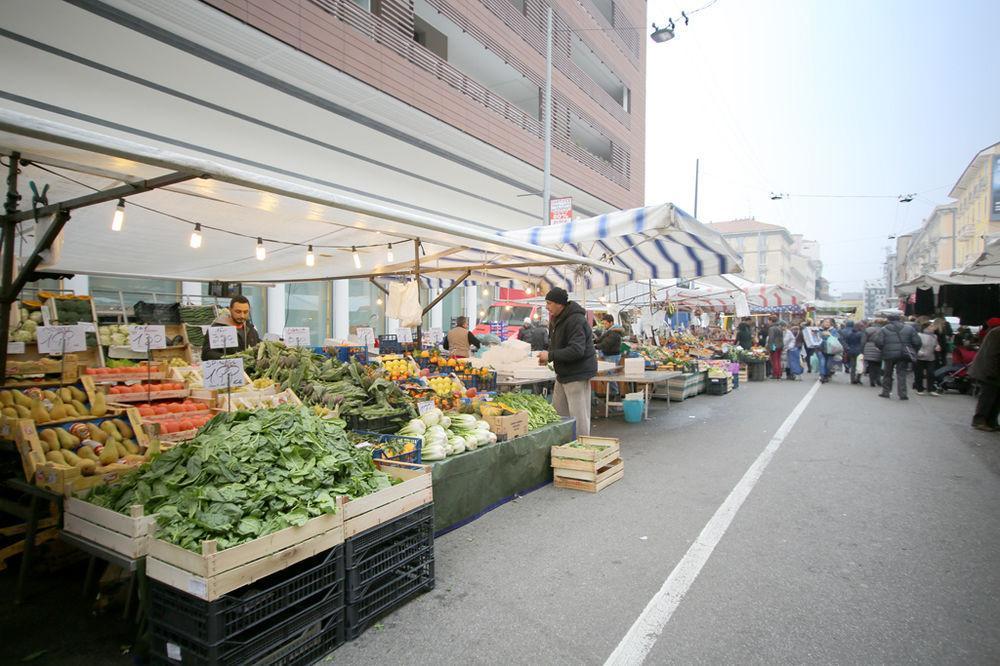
(143, 337)
(224, 373)
(436, 336)
(15, 347)
(366, 334)
(404, 335)
(425, 406)
(222, 337)
(88, 326)
(59, 339)
(296, 336)
(271, 337)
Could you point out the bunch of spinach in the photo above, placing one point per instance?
(247, 474)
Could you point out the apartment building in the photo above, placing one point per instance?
(434, 106)
(875, 297)
(933, 247)
(770, 254)
(977, 202)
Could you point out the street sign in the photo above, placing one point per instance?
(560, 210)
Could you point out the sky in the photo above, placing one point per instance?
(813, 97)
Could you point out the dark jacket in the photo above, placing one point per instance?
(868, 348)
(535, 335)
(744, 336)
(610, 343)
(892, 338)
(570, 345)
(850, 338)
(775, 338)
(986, 366)
(245, 337)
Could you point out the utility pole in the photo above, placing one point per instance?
(547, 122)
(696, 165)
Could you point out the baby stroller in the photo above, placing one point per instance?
(955, 378)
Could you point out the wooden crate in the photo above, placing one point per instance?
(126, 535)
(91, 357)
(602, 479)
(372, 510)
(157, 371)
(68, 370)
(212, 573)
(566, 459)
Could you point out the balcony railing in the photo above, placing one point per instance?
(378, 30)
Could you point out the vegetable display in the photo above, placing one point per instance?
(245, 475)
(540, 412)
(27, 328)
(449, 434)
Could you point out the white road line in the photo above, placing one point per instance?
(642, 635)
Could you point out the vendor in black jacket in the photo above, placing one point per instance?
(239, 318)
(571, 350)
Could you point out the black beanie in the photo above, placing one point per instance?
(557, 295)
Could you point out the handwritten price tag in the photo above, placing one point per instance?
(224, 373)
(15, 347)
(404, 335)
(296, 336)
(222, 337)
(61, 339)
(366, 334)
(143, 337)
(425, 406)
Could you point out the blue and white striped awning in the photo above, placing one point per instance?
(657, 242)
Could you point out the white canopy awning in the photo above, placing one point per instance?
(987, 265)
(939, 279)
(234, 207)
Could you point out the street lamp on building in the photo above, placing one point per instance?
(664, 34)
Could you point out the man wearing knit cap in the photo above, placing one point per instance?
(571, 350)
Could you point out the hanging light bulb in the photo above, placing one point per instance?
(261, 252)
(196, 237)
(310, 257)
(482, 313)
(378, 301)
(530, 290)
(486, 292)
(388, 254)
(357, 257)
(118, 221)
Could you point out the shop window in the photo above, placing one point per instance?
(308, 304)
(105, 292)
(365, 310)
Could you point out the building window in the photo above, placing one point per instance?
(108, 293)
(592, 65)
(519, 4)
(430, 38)
(364, 4)
(365, 310)
(308, 304)
(589, 138)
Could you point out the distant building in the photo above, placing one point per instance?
(770, 254)
(875, 296)
(822, 289)
(977, 195)
(933, 247)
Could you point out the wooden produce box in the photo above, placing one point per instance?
(212, 573)
(509, 426)
(372, 510)
(68, 370)
(126, 535)
(590, 469)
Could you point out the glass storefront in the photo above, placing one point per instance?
(364, 308)
(308, 304)
(105, 292)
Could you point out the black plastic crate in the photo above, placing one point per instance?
(211, 622)
(386, 548)
(262, 645)
(388, 593)
(383, 425)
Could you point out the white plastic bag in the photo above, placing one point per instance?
(411, 312)
(394, 301)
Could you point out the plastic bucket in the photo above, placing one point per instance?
(633, 410)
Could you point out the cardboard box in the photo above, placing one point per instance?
(635, 366)
(509, 426)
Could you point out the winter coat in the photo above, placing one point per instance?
(571, 349)
(788, 339)
(892, 339)
(928, 345)
(610, 343)
(850, 338)
(868, 347)
(775, 338)
(245, 337)
(744, 336)
(986, 366)
(535, 335)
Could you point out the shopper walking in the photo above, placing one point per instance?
(573, 356)
(872, 354)
(925, 381)
(850, 339)
(811, 342)
(899, 344)
(830, 348)
(794, 353)
(534, 334)
(775, 345)
(985, 369)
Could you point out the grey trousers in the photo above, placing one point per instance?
(573, 399)
(901, 367)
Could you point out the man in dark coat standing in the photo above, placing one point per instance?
(898, 343)
(744, 334)
(571, 350)
(239, 318)
(985, 369)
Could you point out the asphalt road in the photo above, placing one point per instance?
(872, 537)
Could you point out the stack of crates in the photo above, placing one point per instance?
(295, 616)
(388, 565)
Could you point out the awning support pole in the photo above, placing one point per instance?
(450, 288)
(7, 257)
(380, 287)
(416, 276)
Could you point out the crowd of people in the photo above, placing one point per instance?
(887, 351)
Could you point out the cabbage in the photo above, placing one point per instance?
(29, 325)
(119, 339)
(21, 336)
(36, 317)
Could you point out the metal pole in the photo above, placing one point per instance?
(7, 257)
(416, 274)
(547, 123)
(696, 165)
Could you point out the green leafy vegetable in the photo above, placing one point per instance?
(540, 412)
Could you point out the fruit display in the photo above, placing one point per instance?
(91, 447)
(45, 406)
(153, 389)
(445, 385)
(139, 370)
(398, 368)
(175, 416)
